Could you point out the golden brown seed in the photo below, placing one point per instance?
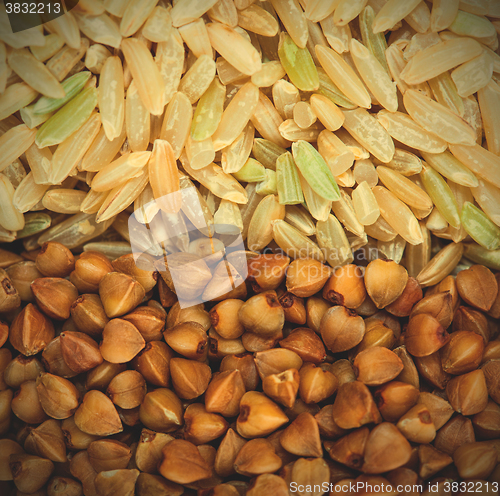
(276, 360)
(97, 415)
(26, 404)
(316, 384)
(257, 457)
(354, 406)
(224, 318)
(150, 322)
(31, 331)
(417, 426)
(491, 351)
(54, 296)
(150, 485)
(47, 441)
(108, 454)
(101, 376)
(120, 293)
(378, 334)
(191, 283)
(55, 260)
(254, 343)
(491, 370)
(267, 484)
(409, 373)
(189, 378)
(382, 317)
(440, 409)
(412, 294)
(21, 369)
(22, 274)
(385, 281)
(462, 353)
(7, 448)
(182, 463)
(431, 369)
(449, 284)
(394, 399)
(127, 389)
(424, 335)
(8, 258)
(475, 460)
(377, 365)
(88, 314)
(456, 432)
(29, 472)
(431, 460)
(9, 296)
(349, 449)
(129, 417)
(5, 410)
(90, 268)
(167, 297)
(294, 308)
(306, 344)
(438, 305)
(53, 360)
(75, 438)
(267, 272)
(219, 347)
(161, 411)
(342, 369)
(4, 333)
(306, 277)
(346, 287)
(468, 393)
(282, 387)
(116, 482)
(494, 311)
(246, 365)
(386, 449)
(262, 314)
(226, 453)
(310, 472)
(148, 453)
(188, 339)
(79, 351)
(224, 393)
(200, 426)
(153, 363)
(302, 437)
(81, 468)
(315, 309)
(121, 341)
(341, 329)
(477, 287)
(196, 313)
(487, 422)
(5, 359)
(127, 265)
(64, 486)
(259, 416)
(469, 319)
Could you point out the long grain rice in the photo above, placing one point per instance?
(436, 118)
(257, 20)
(294, 20)
(239, 52)
(146, 74)
(343, 76)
